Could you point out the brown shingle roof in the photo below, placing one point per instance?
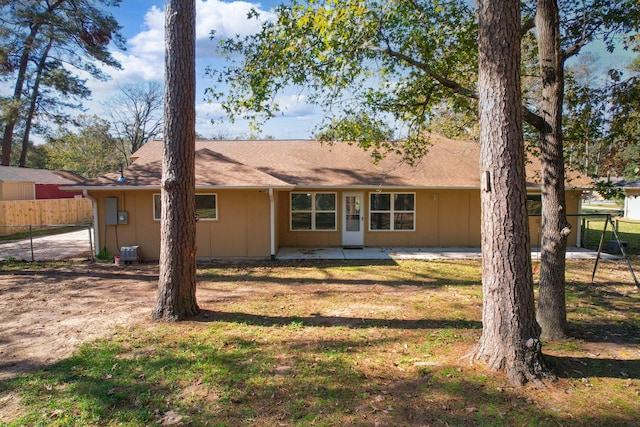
(38, 176)
(304, 163)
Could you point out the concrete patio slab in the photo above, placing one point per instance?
(75, 244)
(378, 253)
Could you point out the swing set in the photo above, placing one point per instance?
(621, 245)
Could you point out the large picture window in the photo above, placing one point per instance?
(206, 207)
(313, 211)
(392, 211)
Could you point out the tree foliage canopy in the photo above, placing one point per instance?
(395, 64)
(366, 63)
(585, 107)
(46, 46)
(90, 151)
(624, 138)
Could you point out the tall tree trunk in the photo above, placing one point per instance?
(510, 335)
(177, 282)
(552, 314)
(14, 114)
(33, 103)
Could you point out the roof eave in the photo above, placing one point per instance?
(299, 186)
(387, 185)
(157, 187)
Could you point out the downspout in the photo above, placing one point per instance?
(272, 224)
(580, 230)
(96, 234)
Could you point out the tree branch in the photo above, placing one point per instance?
(575, 48)
(456, 87)
(534, 119)
(529, 116)
(527, 26)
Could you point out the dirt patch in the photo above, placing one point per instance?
(45, 315)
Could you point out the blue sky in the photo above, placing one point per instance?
(143, 26)
(143, 22)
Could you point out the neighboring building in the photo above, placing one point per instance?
(632, 198)
(35, 184)
(254, 197)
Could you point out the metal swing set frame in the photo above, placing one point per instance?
(620, 246)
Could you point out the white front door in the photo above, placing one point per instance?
(352, 219)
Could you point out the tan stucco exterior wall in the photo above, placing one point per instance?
(241, 230)
(573, 208)
(141, 229)
(17, 191)
(443, 218)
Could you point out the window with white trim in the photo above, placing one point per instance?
(392, 211)
(313, 211)
(206, 207)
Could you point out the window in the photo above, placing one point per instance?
(534, 204)
(392, 211)
(313, 211)
(206, 207)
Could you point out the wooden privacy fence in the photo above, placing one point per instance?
(18, 215)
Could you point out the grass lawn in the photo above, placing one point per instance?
(628, 231)
(323, 343)
(603, 206)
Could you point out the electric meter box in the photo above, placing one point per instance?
(123, 217)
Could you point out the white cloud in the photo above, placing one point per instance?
(227, 19)
(295, 106)
(207, 111)
(144, 61)
(134, 70)
(296, 122)
(149, 44)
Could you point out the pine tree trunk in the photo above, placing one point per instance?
(14, 115)
(552, 315)
(177, 282)
(510, 335)
(33, 103)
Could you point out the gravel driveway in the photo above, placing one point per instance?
(75, 244)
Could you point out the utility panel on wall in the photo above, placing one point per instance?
(123, 217)
(111, 211)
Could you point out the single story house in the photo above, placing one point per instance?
(632, 198)
(36, 184)
(254, 197)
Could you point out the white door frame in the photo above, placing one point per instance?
(352, 219)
